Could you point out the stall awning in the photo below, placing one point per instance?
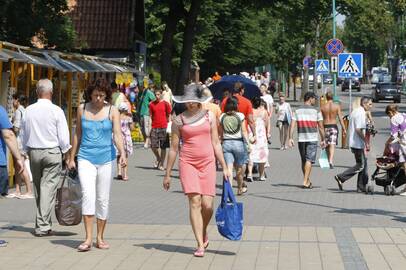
(65, 62)
(4, 57)
(15, 55)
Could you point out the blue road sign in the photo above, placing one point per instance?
(350, 65)
(322, 66)
(307, 61)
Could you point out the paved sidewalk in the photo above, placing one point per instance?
(171, 246)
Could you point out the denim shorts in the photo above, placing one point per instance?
(308, 151)
(235, 152)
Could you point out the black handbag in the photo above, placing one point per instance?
(68, 205)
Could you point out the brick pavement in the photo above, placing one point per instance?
(170, 247)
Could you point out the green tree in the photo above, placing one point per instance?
(367, 30)
(20, 20)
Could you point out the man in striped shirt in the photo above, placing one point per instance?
(309, 125)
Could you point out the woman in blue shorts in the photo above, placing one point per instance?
(233, 131)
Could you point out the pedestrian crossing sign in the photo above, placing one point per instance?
(322, 66)
(350, 65)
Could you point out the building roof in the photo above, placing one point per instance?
(106, 24)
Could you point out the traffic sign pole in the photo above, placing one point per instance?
(335, 98)
(350, 97)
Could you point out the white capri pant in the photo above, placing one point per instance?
(95, 181)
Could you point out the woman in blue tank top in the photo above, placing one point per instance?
(97, 129)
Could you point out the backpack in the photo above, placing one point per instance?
(231, 123)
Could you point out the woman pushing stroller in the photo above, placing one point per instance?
(397, 140)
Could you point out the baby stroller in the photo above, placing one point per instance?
(389, 174)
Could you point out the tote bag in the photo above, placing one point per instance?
(68, 205)
(323, 160)
(229, 214)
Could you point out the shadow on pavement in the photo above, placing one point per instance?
(68, 243)
(30, 230)
(181, 249)
(293, 185)
(368, 212)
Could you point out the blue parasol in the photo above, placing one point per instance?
(228, 81)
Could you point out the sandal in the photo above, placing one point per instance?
(161, 168)
(125, 179)
(156, 164)
(199, 252)
(84, 247)
(102, 245)
(310, 186)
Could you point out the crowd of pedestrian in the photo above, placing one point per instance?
(237, 129)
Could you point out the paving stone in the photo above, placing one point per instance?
(397, 235)
(380, 235)
(393, 256)
(373, 257)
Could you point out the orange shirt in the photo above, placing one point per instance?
(216, 77)
(244, 105)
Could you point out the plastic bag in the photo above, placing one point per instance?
(229, 214)
(68, 206)
(323, 160)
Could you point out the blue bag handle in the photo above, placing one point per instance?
(227, 193)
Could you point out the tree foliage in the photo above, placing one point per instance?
(20, 20)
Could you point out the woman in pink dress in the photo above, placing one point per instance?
(194, 135)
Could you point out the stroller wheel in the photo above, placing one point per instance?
(386, 190)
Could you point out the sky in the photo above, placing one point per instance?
(340, 19)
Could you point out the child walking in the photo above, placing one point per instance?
(127, 126)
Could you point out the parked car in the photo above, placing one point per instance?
(355, 85)
(328, 79)
(385, 91)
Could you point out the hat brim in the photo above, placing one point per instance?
(182, 99)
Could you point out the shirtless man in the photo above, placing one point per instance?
(330, 111)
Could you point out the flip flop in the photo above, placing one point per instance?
(84, 247)
(199, 253)
(102, 245)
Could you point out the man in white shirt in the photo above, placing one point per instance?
(356, 135)
(45, 139)
(269, 103)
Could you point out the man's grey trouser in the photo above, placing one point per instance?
(360, 168)
(46, 166)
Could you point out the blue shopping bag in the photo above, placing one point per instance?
(323, 160)
(229, 214)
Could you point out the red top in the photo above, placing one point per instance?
(244, 105)
(159, 112)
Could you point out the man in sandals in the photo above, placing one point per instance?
(309, 122)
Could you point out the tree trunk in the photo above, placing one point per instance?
(188, 39)
(305, 84)
(174, 16)
(316, 54)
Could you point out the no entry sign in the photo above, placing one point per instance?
(334, 46)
